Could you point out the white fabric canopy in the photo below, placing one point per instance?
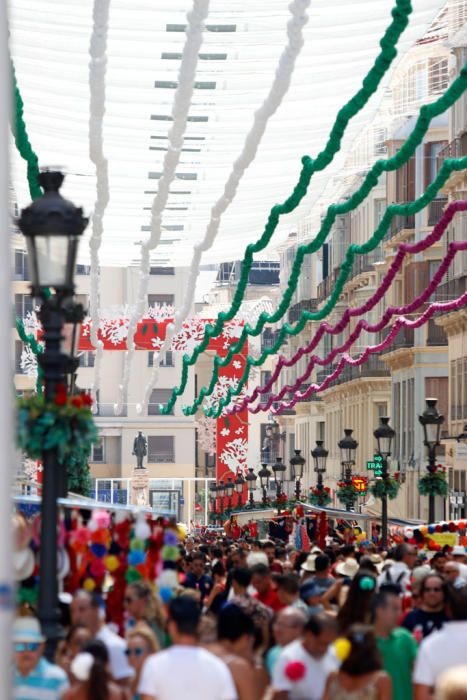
(242, 42)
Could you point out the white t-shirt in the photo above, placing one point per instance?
(116, 646)
(312, 686)
(186, 672)
(440, 651)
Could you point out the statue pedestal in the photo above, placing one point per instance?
(140, 487)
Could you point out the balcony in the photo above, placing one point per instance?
(268, 338)
(435, 210)
(304, 305)
(398, 224)
(327, 285)
(313, 397)
(436, 335)
(404, 338)
(365, 263)
(452, 289)
(374, 367)
(456, 149)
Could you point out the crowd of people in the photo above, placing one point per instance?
(255, 620)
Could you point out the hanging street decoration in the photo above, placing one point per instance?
(427, 113)
(310, 166)
(349, 313)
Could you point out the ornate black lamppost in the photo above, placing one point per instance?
(384, 435)
(320, 455)
(278, 469)
(264, 476)
(431, 421)
(297, 464)
(213, 496)
(229, 489)
(52, 227)
(348, 447)
(251, 485)
(221, 494)
(239, 488)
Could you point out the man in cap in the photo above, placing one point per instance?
(34, 677)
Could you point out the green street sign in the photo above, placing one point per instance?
(375, 465)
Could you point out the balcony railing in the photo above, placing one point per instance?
(436, 334)
(435, 210)
(452, 289)
(398, 224)
(303, 305)
(404, 338)
(374, 367)
(327, 285)
(456, 149)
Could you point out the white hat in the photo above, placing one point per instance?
(458, 551)
(23, 564)
(309, 563)
(349, 567)
(27, 629)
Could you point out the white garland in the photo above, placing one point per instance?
(270, 105)
(97, 72)
(181, 106)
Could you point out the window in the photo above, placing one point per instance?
(161, 448)
(437, 75)
(21, 265)
(87, 359)
(158, 396)
(97, 452)
(321, 430)
(166, 361)
(83, 269)
(23, 304)
(155, 270)
(161, 299)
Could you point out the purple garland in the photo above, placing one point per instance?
(347, 360)
(325, 327)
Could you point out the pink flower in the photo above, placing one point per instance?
(295, 671)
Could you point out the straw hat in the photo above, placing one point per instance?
(349, 567)
(309, 563)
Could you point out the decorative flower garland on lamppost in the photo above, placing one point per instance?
(384, 435)
(347, 493)
(434, 483)
(320, 495)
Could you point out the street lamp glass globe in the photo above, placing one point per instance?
(384, 435)
(52, 227)
(264, 476)
(320, 455)
(297, 464)
(431, 420)
(239, 483)
(229, 487)
(348, 447)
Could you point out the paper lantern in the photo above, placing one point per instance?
(97, 568)
(89, 584)
(111, 563)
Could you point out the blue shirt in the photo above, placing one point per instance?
(45, 682)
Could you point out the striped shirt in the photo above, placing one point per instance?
(45, 682)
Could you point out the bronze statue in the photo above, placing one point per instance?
(140, 449)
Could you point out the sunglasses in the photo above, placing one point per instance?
(27, 646)
(137, 651)
(432, 590)
(128, 599)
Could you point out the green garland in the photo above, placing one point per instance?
(22, 142)
(66, 425)
(370, 84)
(433, 484)
(385, 487)
(347, 493)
